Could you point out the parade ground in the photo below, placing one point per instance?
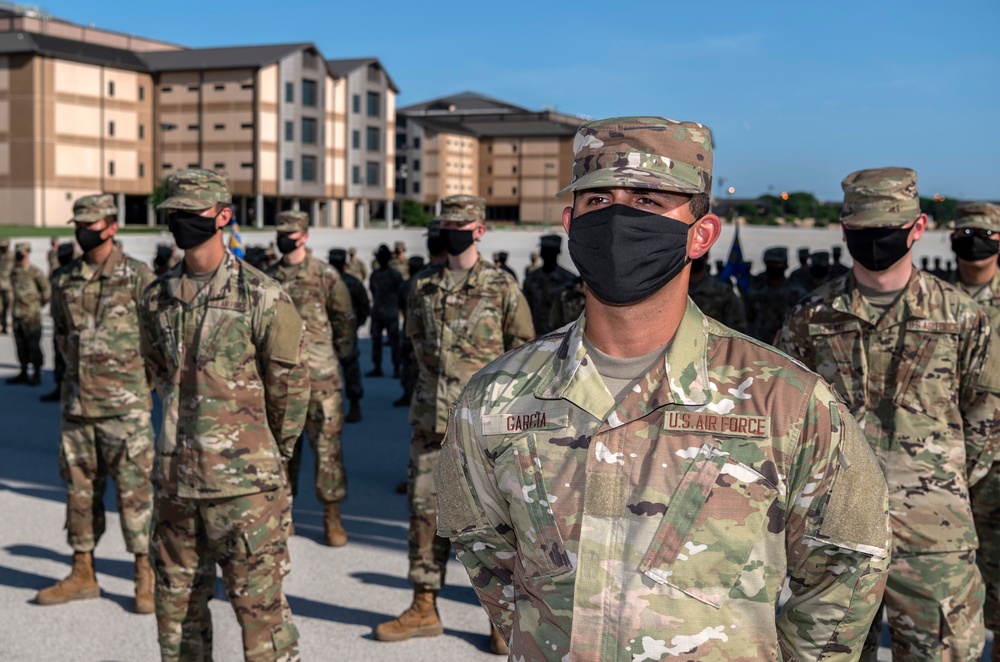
(337, 595)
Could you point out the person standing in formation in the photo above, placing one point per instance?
(542, 286)
(6, 266)
(715, 298)
(385, 284)
(30, 291)
(362, 306)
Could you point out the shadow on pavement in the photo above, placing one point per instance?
(102, 566)
(463, 594)
(29, 580)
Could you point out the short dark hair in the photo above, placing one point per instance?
(699, 205)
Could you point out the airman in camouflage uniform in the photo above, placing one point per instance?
(460, 316)
(640, 505)
(715, 298)
(105, 395)
(225, 346)
(911, 356)
(399, 260)
(30, 292)
(354, 266)
(570, 304)
(771, 296)
(362, 306)
(837, 269)
(976, 241)
(542, 286)
(52, 257)
(385, 284)
(324, 304)
(6, 266)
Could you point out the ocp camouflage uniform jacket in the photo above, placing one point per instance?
(324, 304)
(456, 329)
(30, 291)
(6, 267)
(922, 384)
(665, 525)
(988, 297)
(227, 363)
(95, 310)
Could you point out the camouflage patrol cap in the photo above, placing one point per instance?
(22, 247)
(982, 215)
(550, 241)
(196, 189)
(400, 246)
(642, 152)
(92, 208)
(292, 221)
(462, 209)
(776, 255)
(880, 198)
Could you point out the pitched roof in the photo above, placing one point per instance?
(225, 57)
(463, 102)
(69, 49)
(498, 125)
(345, 66)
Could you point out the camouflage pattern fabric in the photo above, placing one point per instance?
(766, 307)
(462, 209)
(95, 312)
(197, 189)
(324, 304)
(401, 266)
(541, 291)
(880, 198)
(6, 267)
(921, 381)
(627, 151)
(52, 258)
(30, 291)
(228, 364)
(351, 364)
(356, 268)
(569, 306)
(718, 301)
(247, 536)
(665, 524)
(456, 328)
(90, 450)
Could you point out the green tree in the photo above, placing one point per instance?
(413, 213)
(941, 210)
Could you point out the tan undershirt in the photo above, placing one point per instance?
(620, 374)
(881, 300)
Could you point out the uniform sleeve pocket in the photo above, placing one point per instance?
(710, 527)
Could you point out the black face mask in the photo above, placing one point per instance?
(698, 264)
(456, 242)
(972, 247)
(286, 244)
(818, 271)
(89, 239)
(18, 257)
(774, 271)
(191, 230)
(877, 249)
(625, 255)
(435, 245)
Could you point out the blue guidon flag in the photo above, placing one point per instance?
(235, 239)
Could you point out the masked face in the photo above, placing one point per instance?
(89, 239)
(973, 245)
(877, 249)
(775, 271)
(626, 255)
(191, 230)
(286, 244)
(456, 242)
(18, 256)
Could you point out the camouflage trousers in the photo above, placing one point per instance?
(986, 511)
(324, 424)
(428, 552)
(353, 387)
(89, 450)
(4, 308)
(247, 536)
(389, 326)
(28, 340)
(935, 608)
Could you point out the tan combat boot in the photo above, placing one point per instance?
(144, 581)
(333, 528)
(80, 585)
(497, 645)
(420, 620)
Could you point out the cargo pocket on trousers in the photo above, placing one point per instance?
(712, 523)
(284, 636)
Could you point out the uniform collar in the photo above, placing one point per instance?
(471, 281)
(85, 270)
(680, 379)
(913, 303)
(223, 282)
(294, 271)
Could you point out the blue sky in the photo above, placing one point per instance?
(797, 94)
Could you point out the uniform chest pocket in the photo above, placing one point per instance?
(540, 543)
(928, 374)
(840, 360)
(483, 312)
(720, 511)
(226, 342)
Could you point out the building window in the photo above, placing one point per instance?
(355, 174)
(308, 92)
(489, 190)
(219, 166)
(290, 92)
(371, 139)
(220, 87)
(167, 166)
(142, 170)
(166, 88)
(246, 86)
(246, 125)
(142, 93)
(289, 130)
(308, 168)
(416, 143)
(489, 149)
(356, 103)
(371, 173)
(192, 88)
(374, 104)
(247, 165)
(513, 170)
(111, 168)
(111, 129)
(219, 127)
(289, 169)
(356, 139)
(374, 74)
(142, 131)
(192, 127)
(513, 190)
(513, 148)
(111, 88)
(416, 165)
(489, 170)
(309, 59)
(416, 187)
(194, 165)
(308, 130)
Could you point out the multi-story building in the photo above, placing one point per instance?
(470, 143)
(85, 110)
